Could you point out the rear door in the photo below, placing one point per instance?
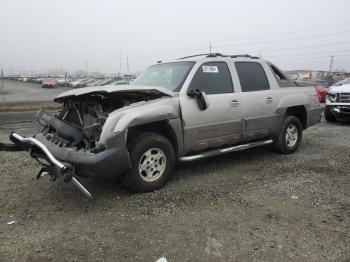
(219, 124)
(258, 101)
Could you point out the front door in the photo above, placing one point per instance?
(220, 123)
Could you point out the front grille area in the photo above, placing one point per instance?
(344, 97)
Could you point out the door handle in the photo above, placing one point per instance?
(269, 100)
(234, 103)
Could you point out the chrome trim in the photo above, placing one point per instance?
(36, 142)
(53, 160)
(82, 188)
(225, 150)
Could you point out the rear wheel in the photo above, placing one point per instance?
(152, 158)
(290, 135)
(328, 114)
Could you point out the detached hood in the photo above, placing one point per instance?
(113, 89)
(340, 89)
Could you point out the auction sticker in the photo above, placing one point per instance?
(210, 69)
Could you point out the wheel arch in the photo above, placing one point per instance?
(299, 112)
(163, 128)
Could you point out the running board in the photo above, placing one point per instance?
(225, 150)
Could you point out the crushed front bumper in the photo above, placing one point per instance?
(53, 167)
(341, 112)
(109, 161)
(60, 162)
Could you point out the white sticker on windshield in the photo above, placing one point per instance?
(210, 69)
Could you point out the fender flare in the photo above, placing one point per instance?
(145, 116)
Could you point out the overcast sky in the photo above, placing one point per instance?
(42, 35)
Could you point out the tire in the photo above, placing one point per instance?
(152, 162)
(290, 135)
(328, 114)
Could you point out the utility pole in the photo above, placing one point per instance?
(330, 67)
(3, 88)
(210, 47)
(65, 79)
(127, 64)
(86, 66)
(2, 79)
(120, 62)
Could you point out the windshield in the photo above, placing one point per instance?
(170, 75)
(346, 81)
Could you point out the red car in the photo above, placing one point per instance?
(320, 89)
(321, 93)
(49, 83)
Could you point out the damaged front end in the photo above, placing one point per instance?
(70, 143)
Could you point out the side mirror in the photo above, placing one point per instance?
(201, 98)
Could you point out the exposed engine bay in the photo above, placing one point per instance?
(79, 123)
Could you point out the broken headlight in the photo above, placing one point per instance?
(332, 97)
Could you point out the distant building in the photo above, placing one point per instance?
(312, 75)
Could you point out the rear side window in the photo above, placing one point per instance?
(252, 76)
(212, 78)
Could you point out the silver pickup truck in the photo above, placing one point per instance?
(192, 108)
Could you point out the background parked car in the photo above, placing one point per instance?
(49, 83)
(62, 81)
(321, 93)
(107, 81)
(120, 82)
(321, 90)
(79, 83)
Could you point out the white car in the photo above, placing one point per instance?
(62, 81)
(338, 101)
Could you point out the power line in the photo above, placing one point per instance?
(314, 53)
(315, 59)
(304, 47)
(286, 39)
(145, 57)
(285, 33)
(288, 48)
(177, 51)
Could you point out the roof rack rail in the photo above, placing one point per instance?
(221, 55)
(216, 54)
(192, 56)
(245, 55)
(207, 55)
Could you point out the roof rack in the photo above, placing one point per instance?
(192, 56)
(245, 55)
(221, 55)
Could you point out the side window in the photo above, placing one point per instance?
(212, 78)
(252, 76)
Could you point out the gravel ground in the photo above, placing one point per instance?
(17, 91)
(255, 205)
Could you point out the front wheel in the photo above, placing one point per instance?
(290, 135)
(152, 161)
